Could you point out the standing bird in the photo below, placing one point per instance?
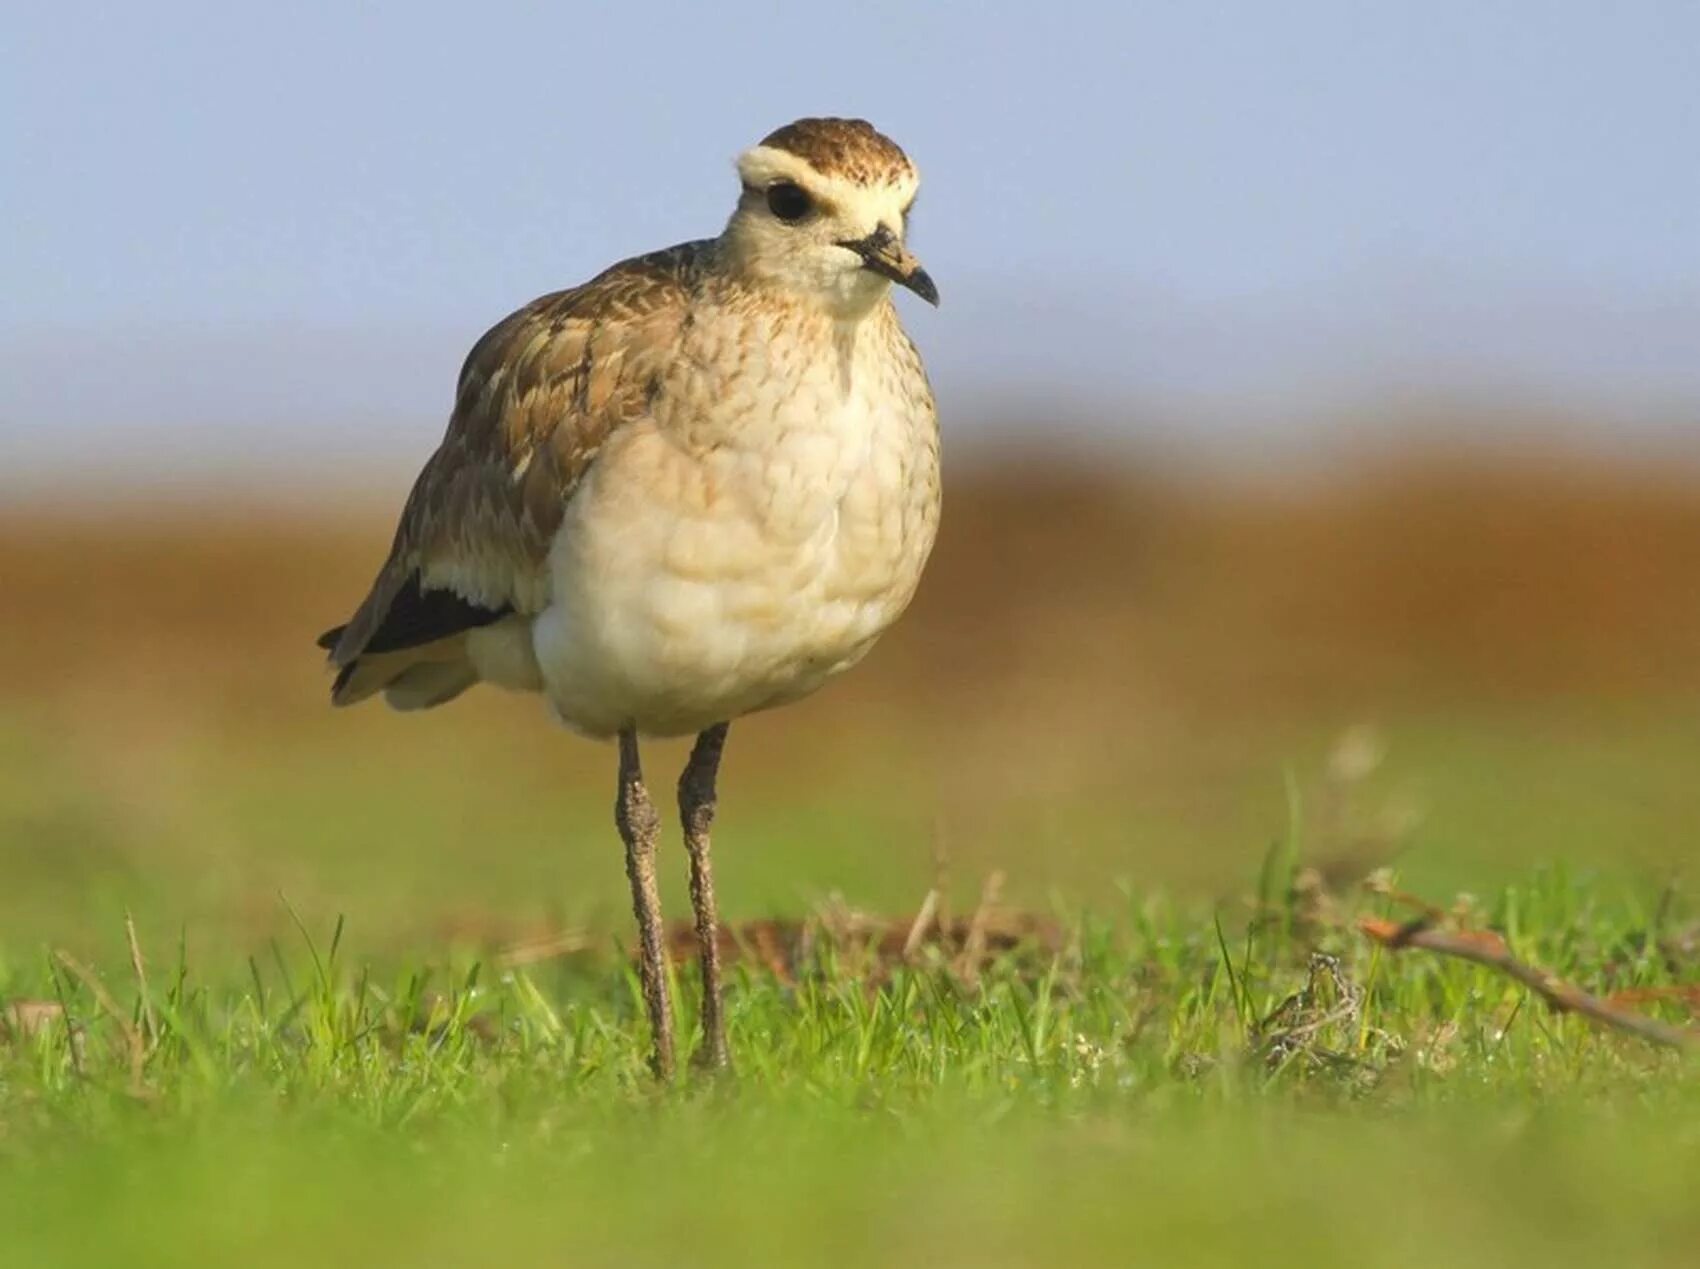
(699, 485)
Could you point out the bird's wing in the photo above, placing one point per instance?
(539, 395)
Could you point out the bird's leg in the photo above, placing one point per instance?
(696, 813)
(639, 828)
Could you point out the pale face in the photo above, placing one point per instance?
(828, 239)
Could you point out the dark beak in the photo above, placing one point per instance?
(883, 254)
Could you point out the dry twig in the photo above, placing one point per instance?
(1486, 948)
(1686, 994)
(149, 1023)
(923, 923)
(545, 948)
(26, 1019)
(974, 943)
(133, 1041)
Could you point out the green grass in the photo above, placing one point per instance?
(292, 1089)
(401, 1094)
(1118, 1096)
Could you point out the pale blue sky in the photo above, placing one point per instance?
(229, 217)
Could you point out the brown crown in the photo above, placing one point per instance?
(851, 149)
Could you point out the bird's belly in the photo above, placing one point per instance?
(686, 596)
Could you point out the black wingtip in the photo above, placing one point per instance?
(328, 640)
(342, 677)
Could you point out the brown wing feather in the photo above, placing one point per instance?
(538, 396)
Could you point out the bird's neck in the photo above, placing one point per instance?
(836, 293)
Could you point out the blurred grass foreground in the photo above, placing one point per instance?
(1127, 676)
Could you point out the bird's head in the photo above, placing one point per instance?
(824, 214)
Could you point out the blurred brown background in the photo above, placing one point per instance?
(1114, 675)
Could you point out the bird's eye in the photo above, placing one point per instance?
(788, 202)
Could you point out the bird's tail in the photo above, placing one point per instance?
(410, 678)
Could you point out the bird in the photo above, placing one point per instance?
(697, 486)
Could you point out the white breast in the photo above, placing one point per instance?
(693, 583)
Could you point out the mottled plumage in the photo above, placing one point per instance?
(537, 397)
(851, 149)
(745, 386)
(700, 484)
